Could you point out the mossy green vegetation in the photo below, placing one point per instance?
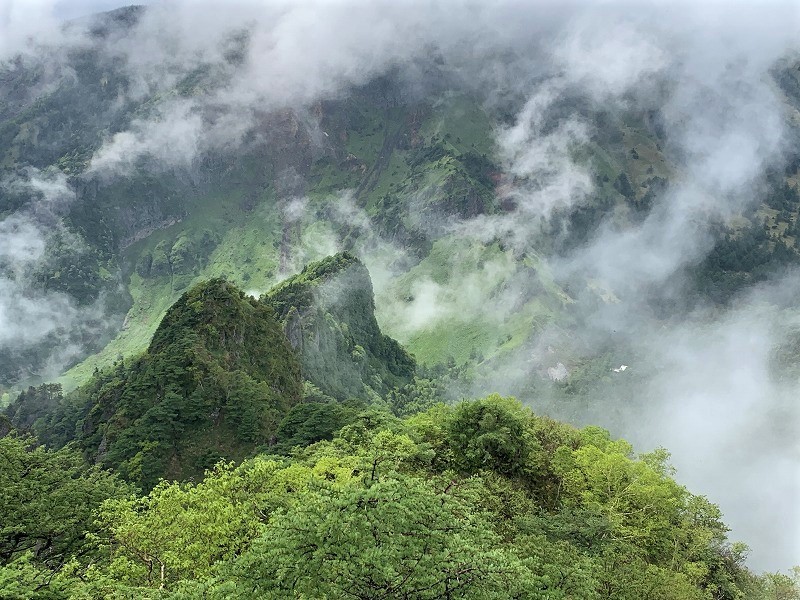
(215, 381)
(222, 371)
(286, 448)
(483, 499)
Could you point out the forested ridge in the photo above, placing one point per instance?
(215, 381)
(307, 495)
(482, 499)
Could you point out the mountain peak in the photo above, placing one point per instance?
(328, 314)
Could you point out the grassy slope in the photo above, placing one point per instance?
(246, 255)
(249, 242)
(468, 279)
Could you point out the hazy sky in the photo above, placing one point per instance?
(59, 9)
(70, 9)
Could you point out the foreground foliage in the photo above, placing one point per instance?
(479, 500)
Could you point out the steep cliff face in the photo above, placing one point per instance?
(328, 315)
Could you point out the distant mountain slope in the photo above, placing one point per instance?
(412, 180)
(384, 172)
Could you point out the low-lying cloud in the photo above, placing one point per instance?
(703, 69)
(28, 314)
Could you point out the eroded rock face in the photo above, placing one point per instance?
(293, 328)
(328, 316)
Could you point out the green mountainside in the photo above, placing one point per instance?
(282, 489)
(263, 363)
(214, 383)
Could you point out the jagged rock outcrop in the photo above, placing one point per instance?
(328, 315)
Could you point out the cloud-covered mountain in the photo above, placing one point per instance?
(530, 184)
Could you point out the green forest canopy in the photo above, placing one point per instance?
(483, 499)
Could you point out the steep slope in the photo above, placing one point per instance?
(328, 314)
(258, 215)
(222, 377)
(215, 382)
(379, 172)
